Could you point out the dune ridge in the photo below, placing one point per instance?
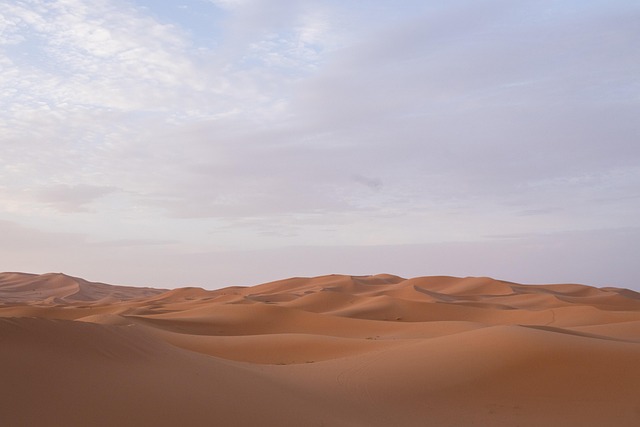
(60, 289)
(333, 350)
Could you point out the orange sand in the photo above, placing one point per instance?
(325, 351)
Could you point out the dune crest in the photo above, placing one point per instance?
(60, 289)
(333, 350)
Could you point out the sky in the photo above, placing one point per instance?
(234, 142)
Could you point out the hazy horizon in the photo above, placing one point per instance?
(234, 142)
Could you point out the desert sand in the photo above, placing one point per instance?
(325, 351)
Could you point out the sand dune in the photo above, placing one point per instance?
(58, 288)
(62, 373)
(324, 351)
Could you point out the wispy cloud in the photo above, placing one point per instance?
(74, 198)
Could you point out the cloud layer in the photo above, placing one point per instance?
(217, 126)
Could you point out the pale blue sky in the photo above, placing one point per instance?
(228, 142)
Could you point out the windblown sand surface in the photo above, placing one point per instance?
(325, 351)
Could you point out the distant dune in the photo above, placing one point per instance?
(324, 351)
(58, 288)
